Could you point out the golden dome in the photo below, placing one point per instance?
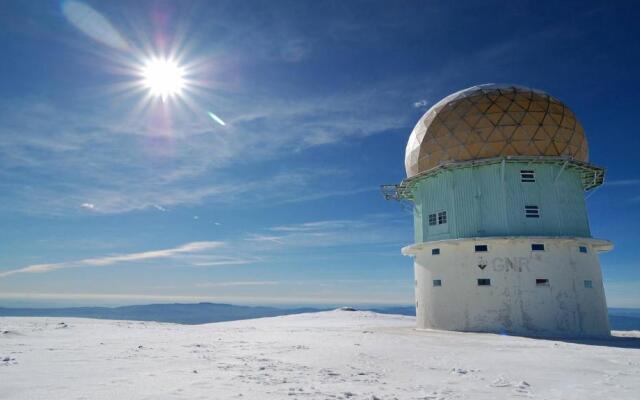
(488, 121)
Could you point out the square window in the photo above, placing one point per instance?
(537, 247)
(437, 282)
(527, 175)
(542, 282)
(432, 219)
(442, 217)
(435, 252)
(583, 249)
(588, 284)
(531, 211)
(481, 248)
(484, 282)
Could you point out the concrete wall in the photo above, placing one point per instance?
(513, 302)
(489, 200)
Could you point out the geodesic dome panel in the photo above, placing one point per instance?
(488, 121)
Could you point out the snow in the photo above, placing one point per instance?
(329, 355)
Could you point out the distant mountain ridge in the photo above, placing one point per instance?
(624, 319)
(197, 313)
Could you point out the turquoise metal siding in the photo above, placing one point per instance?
(489, 200)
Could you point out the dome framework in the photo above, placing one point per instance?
(488, 121)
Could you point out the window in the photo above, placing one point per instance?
(437, 282)
(484, 282)
(438, 218)
(542, 282)
(480, 248)
(435, 252)
(531, 211)
(432, 219)
(588, 284)
(537, 247)
(583, 249)
(527, 175)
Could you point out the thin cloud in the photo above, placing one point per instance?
(327, 194)
(380, 229)
(623, 182)
(234, 284)
(421, 103)
(111, 260)
(220, 263)
(265, 238)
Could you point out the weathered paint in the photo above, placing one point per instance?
(489, 200)
(513, 302)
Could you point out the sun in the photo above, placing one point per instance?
(163, 78)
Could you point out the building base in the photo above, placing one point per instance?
(541, 286)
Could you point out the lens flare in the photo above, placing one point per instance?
(216, 118)
(164, 78)
(93, 24)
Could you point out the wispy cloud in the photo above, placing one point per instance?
(226, 261)
(88, 206)
(235, 284)
(119, 163)
(285, 299)
(265, 238)
(381, 229)
(623, 182)
(421, 103)
(115, 259)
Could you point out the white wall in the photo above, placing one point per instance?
(513, 302)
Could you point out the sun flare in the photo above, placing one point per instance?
(163, 78)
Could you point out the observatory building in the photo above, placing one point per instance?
(498, 175)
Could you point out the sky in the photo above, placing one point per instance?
(259, 182)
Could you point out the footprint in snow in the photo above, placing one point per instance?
(459, 371)
(500, 382)
(8, 361)
(522, 387)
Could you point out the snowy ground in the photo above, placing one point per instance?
(328, 355)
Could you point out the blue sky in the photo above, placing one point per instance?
(110, 197)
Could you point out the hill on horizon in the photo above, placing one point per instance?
(201, 313)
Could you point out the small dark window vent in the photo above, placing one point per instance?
(531, 211)
(481, 248)
(435, 252)
(437, 282)
(588, 284)
(537, 247)
(583, 249)
(527, 175)
(542, 282)
(484, 282)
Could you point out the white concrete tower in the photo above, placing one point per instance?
(497, 175)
